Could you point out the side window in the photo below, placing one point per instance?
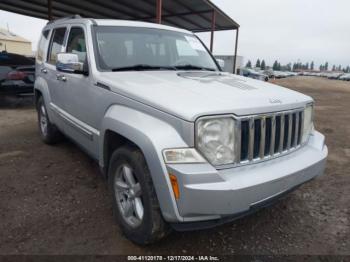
(76, 43)
(56, 44)
(41, 46)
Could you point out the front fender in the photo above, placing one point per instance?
(151, 135)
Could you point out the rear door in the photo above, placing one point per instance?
(49, 72)
(41, 55)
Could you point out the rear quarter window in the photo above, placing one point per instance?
(41, 46)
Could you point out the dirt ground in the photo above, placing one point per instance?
(54, 201)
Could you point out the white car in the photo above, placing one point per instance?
(247, 72)
(345, 77)
(334, 75)
(280, 74)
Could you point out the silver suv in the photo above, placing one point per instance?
(182, 144)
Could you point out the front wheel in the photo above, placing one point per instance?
(135, 204)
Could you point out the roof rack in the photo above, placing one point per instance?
(76, 16)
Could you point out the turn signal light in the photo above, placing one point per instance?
(175, 186)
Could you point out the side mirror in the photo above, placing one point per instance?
(221, 63)
(69, 63)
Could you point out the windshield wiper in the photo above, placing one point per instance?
(193, 67)
(140, 67)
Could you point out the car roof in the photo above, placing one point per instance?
(112, 22)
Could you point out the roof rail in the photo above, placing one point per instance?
(64, 18)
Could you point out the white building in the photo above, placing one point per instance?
(13, 43)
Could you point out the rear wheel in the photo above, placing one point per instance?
(135, 204)
(48, 132)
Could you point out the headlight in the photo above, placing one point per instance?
(307, 123)
(182, 156)
(215, 139)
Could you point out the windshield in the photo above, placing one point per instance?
(135, 48)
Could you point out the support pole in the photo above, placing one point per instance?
(159, 11)
(49, 10)
(236, 46)
(213, 22)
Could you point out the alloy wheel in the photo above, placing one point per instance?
(43, 120)
(128, 195)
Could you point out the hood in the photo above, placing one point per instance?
(189, 95)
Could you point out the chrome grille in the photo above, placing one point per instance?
(259, 137)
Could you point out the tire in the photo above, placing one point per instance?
(132, 188)
(48, 131)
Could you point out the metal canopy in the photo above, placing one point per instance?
(193, 15)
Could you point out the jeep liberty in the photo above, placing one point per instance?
(182, 144)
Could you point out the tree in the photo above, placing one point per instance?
(275, 66)
(289, 67)
(249, 64)
(263, 65)
(333, 68)
(326, 66)
(312, 65)
(321, 67)
(257, 63)
(307, 66)
(279, 66)
(294, 66)
(299, 65)
(348, 69)
(339, 68)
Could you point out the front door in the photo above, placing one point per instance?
(78, 90)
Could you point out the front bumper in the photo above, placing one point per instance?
(210, 194)
(197, 225)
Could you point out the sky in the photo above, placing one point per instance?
(283, 30)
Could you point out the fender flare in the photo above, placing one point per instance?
(41, 85)
(151, 135)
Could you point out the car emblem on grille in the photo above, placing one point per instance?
(275, 101)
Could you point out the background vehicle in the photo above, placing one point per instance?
(247, 72)
(279, 74)
(270, 73)
(182, 144)
(283, 74)
(17, 74)
(334, 75)
(345, 77)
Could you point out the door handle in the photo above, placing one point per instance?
(43, 70)
(61, 77)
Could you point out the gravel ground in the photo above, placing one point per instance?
(54, 201)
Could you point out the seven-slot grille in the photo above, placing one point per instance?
(264, 136)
